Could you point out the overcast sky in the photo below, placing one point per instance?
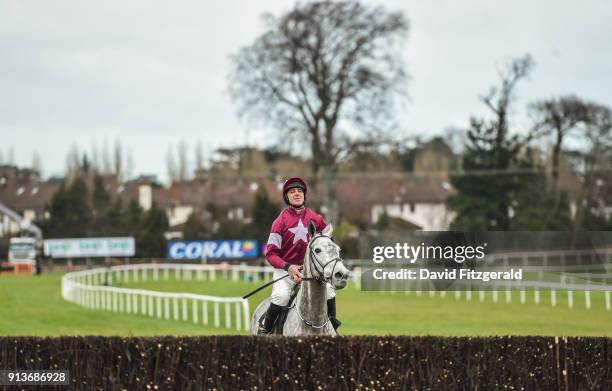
(152, 73)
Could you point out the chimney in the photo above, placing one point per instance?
(145, 196)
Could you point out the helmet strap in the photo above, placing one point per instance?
(298, 209)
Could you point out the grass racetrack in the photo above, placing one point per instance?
(32, 305)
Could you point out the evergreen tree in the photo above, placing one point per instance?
(100, 202)
(383, 222)
(538, 207)
(133, 218)
(196, 228)
(150, 241)
(485, 191)
(264, 213)
(70, 213)
(497, 164)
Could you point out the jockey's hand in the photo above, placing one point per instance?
(295, 273)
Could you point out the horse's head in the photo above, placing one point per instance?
(325, 262)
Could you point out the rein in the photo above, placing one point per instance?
(319, 266)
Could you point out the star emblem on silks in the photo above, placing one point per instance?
(300, 232)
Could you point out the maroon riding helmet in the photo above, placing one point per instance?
(293, 183)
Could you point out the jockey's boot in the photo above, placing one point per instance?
(265, 327)
(331, 313)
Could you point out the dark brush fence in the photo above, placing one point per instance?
(344, 363)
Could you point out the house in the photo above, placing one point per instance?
(419, 201)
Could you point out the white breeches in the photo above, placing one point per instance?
(281, 290)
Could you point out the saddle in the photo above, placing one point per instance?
(277, 329)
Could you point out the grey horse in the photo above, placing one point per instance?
(322, 265)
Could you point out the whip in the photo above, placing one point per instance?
(264, 286)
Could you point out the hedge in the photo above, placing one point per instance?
(311, 363)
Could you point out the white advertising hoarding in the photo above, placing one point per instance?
(90, 247)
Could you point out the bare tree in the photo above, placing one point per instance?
(183, 162)
(199, 156)
(37, 163)
(106, 160)
(73, 161)
(499, 99)
(559, 117)
(118, 160)
(11, 156)
(95, 157)
(596, 156)
(171, 165)
(129, 168)
(321, 72)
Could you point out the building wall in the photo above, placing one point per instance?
(145, 196)
(178, 214)
(428, 216)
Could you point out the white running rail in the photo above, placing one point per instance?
(90, 288)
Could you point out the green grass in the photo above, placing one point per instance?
(31, 305)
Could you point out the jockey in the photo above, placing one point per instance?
(286, 249)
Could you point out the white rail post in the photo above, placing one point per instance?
(607, 300)
(143, 304)
(150, 306)
(205, 312)
(536, 296)
(587, 299)
(508, 296)
(238, 317)
(194, 310)
(217, 316)
(155, 273)
(167, 308)
(159, 307)
(228, 316)
(553, 298)
(128, 302)
(175, 305)
(121, 303)
(481, 295)
(135, 303)
(247, 315)
(184, 307)
(522, 295)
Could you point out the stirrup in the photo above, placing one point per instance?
(261, 330)
(335, 322)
